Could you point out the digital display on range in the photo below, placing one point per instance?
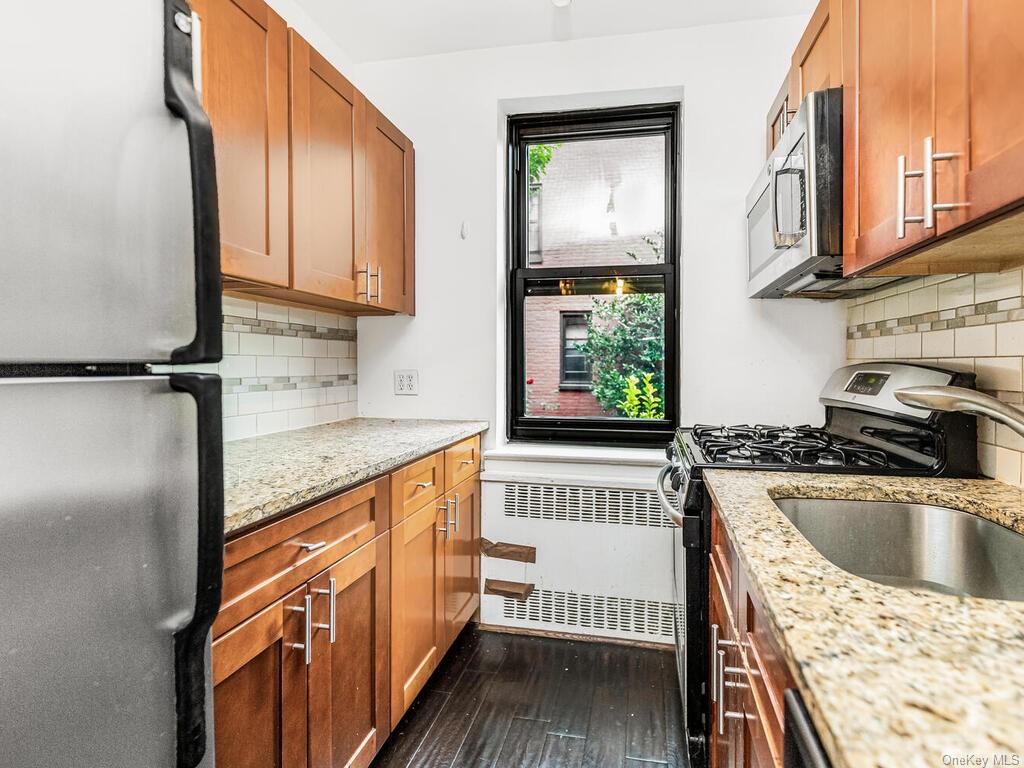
(867, 383)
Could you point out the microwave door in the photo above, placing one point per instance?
(108, 205)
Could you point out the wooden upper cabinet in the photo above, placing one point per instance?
(245, 92)
(417, 607)
(349, 677)
(390, 213)
(259, 690)
(981, 117)
(887, 113)
(818, 58)
(462, 560)
(328, 129)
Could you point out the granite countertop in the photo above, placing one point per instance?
(265, 476)
(891, 677)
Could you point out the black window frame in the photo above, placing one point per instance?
(563, 385)
(523, 130)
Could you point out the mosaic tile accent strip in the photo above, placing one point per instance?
(963, 322)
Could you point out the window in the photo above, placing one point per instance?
(575, 361)
(592, 316)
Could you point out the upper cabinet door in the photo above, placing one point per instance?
(978, 81)
(328, 129)
(390, 214)
(245, 91)
(887, 114)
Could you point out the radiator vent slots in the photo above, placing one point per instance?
(613, 506)
(594, 612)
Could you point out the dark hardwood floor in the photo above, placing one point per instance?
(510, 701)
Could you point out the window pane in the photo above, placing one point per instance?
(594, 347)
(598, 202)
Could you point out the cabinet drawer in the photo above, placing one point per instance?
(413, 486)
(461, 462)
(261, 566)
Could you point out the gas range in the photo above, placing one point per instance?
(866, 431)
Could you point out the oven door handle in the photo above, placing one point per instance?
(674, 515)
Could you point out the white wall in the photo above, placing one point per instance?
(742, 359)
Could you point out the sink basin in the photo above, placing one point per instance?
(914, 546)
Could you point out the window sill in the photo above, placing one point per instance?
(577, 454)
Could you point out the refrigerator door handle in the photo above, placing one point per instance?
(190, 640)
(184, 102)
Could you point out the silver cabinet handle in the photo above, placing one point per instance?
(447, 520)
(380, 271)
(467, 461)
(307, 644)
(365, 293)
(722, 672)
(717, 643)
(930, 206)
(313, 547)
(376, 275)
(902, 174)
(425, 485)
(458, 511)
(332, 595)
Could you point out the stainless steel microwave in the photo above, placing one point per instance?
(795, 210)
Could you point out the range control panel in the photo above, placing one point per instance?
(867, 383)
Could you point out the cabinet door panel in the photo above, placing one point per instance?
(417, 609)
(390, 214)
(462, 561)
(259, 690)
(888, 113)
(328, 126)
(995, 92)
(348, 690)
(245, 92)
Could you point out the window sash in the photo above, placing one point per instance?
(613, 430)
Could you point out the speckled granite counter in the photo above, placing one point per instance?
(265, 476)
(891, 677)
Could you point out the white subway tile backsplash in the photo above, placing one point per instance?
(997, 285)
(255, 344)
(284, 368)
(937, 343)
(923, 300)
(975, 341)
(254, 402)
(274, 421)
(238, 366)
(956, 293)
(271, 366)
(970, 323)
(301, 316)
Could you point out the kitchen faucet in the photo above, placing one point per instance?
(965, 400)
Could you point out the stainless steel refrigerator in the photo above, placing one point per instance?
(111, 494)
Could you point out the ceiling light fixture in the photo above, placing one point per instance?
(561, 3)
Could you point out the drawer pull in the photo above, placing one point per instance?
(313, 547)
(332, 594)
(467, 461)
(427, 484)
(307, 645)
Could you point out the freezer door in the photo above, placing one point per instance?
(108, 202)
(111, 541)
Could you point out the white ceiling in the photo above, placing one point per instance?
(370, 30)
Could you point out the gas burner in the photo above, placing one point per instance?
(749, 455)
(737, 432)
(831, 457)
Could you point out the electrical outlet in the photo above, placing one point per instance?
(407, 382)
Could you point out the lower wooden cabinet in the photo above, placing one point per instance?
(260, 689)
(417, 603)
(462, 559)
(747, 674)
(298, 690)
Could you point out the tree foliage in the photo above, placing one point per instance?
(626, 338)
(539, 156)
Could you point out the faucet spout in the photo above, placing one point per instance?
(963, 400)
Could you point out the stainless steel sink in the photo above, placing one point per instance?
(914, 546)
